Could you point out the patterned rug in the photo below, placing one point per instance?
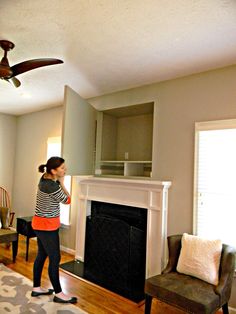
(15, 297)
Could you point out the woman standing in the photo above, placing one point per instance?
(46, 222)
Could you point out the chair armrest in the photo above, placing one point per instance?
(174, 246)
(226, 273)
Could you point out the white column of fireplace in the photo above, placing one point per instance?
(149, 194)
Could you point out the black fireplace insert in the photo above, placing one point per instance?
(115, 248)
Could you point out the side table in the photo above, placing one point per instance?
(23, 226)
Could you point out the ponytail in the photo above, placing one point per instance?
(41, 168)
(52, 163)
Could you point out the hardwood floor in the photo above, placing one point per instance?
(92, 299)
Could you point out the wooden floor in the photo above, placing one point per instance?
(92, 299)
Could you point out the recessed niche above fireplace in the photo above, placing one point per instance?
(124, 141)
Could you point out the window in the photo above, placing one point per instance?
(54, 149)
(215, 180)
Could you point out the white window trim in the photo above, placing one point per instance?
(204, 126)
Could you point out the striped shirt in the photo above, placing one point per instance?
(48, 199)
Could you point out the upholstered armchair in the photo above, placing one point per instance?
(7, 234)
(189, 293)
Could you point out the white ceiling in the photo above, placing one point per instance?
(111, 45)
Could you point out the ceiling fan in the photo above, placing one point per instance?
(9, 73)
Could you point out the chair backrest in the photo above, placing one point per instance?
(174, 247)
(5, 202)
(4, 198)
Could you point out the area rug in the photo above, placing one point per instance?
(15, 297)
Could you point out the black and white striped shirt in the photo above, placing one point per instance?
(48, 199)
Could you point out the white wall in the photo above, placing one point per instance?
(7, 150)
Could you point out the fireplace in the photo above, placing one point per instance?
(139, 207)
(115, 248)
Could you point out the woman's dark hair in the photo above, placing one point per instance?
(52, 163)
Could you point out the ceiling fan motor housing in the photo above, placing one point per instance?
(5, 72)
(6, 45)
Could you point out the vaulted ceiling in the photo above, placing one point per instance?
(111, 45)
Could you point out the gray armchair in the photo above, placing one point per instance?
(189, 293)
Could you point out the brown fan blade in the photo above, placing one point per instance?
(32, 64)
(14, 81)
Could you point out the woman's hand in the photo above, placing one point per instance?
(61, 180)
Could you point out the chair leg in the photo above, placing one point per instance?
(148, 303)
(27, 248)
(225, 308)
(14, 249)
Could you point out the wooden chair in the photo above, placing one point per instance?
(5, 202)
(188, 293)
(8, 235)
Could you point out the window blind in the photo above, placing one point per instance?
(215, 190)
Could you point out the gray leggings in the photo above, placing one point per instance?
(48, 246)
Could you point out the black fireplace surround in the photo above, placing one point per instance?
(115, 248)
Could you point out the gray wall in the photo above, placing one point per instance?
(181, 103)
(33, 131)
(7, 150)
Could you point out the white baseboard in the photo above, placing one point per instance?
(232, 310)
(64, 249)
(67, 250)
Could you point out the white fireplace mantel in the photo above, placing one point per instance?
(149, 194)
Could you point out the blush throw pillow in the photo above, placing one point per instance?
(200, 258)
